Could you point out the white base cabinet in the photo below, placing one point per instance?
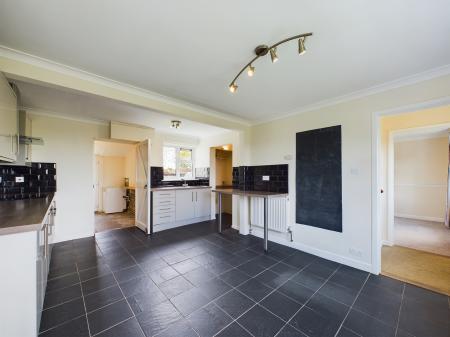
(174, 208)
(24, 270)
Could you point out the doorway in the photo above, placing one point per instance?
(224, 179)
(114, 184)
(414, 152)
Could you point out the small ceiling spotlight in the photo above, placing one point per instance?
(273, 54)
(301, 45)
(263, 50)
(233, 87)
(175, 124)
(250, 71)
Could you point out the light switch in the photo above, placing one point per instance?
(20, 179)
(265, 178)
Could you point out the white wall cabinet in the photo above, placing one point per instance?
(173, 208)
(9, 137)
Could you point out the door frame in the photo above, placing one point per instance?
(147, 186)
(376, 241)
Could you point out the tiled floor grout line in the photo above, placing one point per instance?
(400, 310)
(353, 303)
(304, 304)
(84, 303)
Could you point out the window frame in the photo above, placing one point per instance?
(179, 147)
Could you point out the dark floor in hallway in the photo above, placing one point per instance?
(192, 281)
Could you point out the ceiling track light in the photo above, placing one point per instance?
(273, 55)
(175, 124)
(263, 50)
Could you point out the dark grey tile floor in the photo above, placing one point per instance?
(192, 281)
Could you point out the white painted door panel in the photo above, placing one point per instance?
(202, 202)
(185, 205)
(142, 214)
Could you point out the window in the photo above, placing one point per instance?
(177, 163)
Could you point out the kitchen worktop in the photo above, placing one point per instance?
(172, 188)
(18, 216)
(250, 193)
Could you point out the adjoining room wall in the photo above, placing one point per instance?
(421, 178)
(274, 143)
(224, 176)
(113, 171)
(388, 124)
(70, 145)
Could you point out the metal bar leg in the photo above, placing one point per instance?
(220, 212)
(266, 226)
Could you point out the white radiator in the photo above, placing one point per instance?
(277, 213)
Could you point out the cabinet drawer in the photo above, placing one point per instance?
(164, 208)
(157, 203)
(161, 218)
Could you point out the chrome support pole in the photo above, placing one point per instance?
(220, 212)
(266, 225)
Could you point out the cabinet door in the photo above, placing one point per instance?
(202, 202)
(9, 122)
(184, 204)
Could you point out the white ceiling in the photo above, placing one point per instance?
(72, 104)
(191, 50)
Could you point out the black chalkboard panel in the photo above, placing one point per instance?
(319, 178)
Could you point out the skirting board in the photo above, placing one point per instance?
(169, 225)
(419, 217)
(311, 250)
(387, 243)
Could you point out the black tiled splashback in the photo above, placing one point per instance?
(157, 176)
(250, 178)
(39, 180)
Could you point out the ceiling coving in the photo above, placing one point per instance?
(263, 50)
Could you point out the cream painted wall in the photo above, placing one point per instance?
(388, 124)
(224, 176)
(113, 171)
(159, 139)
(421, 178)
(270, 142)
(70, 145)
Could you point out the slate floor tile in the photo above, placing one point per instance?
(185, 266)
(328, 307)
(102, 298)
(234, 330)
(75, 328)
(261, 322)
(198, 276)
(142, 301)
(189, 301)
(234, 277)
(209, 320)
(214, 288)
(63, 282)
(129, 328)
(62, 313)
(339, 293)
(309, 280)
(284, 269)
(254, 289)
(98, 283)
(175, 286)
(180, 328)
(367, 326)
(314, 324)
(138, 285)
(129, 273)
(385, 310)
(234, 303)
(271, 279)
(251, 268)
(157, 318)
(289, 331)
(344, 332)
(296, 291)
(60, 296)
(164, 274)
(280, 305)
(94, 272)
(108, 316)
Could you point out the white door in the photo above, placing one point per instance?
(202, 202)
(142, 212)
(8, 125)
(184, 204)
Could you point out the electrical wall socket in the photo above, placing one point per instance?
(20, 179)
(265, 178)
